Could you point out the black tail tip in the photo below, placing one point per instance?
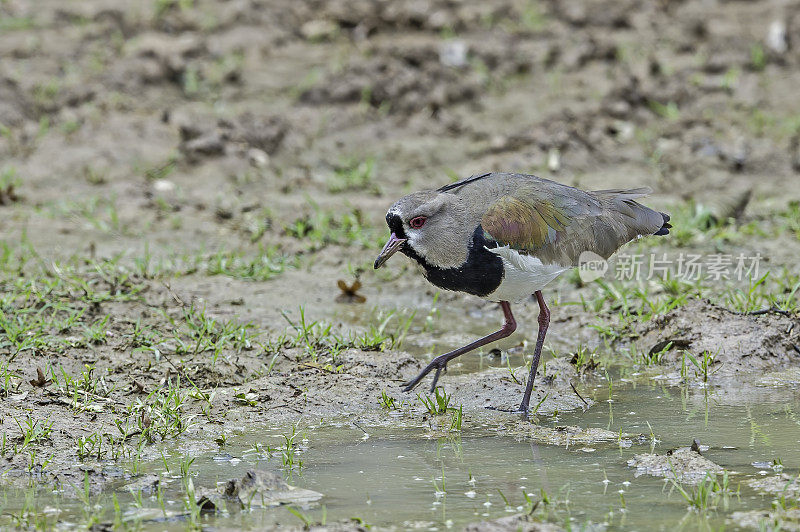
(664, 228)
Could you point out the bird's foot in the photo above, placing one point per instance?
(522, 412)
(439, 365)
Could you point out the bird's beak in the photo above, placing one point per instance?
(391, 247)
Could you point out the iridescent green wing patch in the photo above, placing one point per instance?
(524, 224)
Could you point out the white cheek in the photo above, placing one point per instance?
(413, 237)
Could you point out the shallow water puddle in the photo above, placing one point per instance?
(390, 478)
(406, 478)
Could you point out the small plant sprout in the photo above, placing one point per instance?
(290, 451)
(439, 404)
(654, 357)
(387, 402)
(708, 494)
(304, 518)
(583, 359)
(455, 420)
(610, 387)
(436, 405)
(540, 403)
(354, 175)
(703, 364)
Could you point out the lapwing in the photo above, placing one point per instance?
(503, 237)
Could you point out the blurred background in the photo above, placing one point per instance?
(282, 128)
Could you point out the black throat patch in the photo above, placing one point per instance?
(480, 275)
(395, 225)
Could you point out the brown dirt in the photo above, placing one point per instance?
(736, 343)
(130, 131)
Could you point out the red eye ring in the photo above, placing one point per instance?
(417, 222)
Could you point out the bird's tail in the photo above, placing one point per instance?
(638, 218)
(664, 228)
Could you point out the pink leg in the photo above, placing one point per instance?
(544, 321)
(440, 362)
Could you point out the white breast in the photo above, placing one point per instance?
(523, 275)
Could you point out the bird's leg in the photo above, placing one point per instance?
(440, 362)
(544, 321)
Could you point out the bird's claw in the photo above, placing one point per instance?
(436, 377)
(410, 385)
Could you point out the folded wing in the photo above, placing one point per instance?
(557, 223)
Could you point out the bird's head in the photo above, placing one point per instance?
(430, 226)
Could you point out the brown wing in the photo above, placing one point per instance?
(557, 223)
(525, 223)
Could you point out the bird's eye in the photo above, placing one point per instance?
(417, 222)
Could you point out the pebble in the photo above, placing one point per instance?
(163, 185)
(258, 158)
(453, 53)
(554, 160)
(776, 37)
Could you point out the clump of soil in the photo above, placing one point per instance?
(266, 488)
(777, 519)
(403, 84)
(355, 386)
(502, 389)
(779, 485)
(734, 343)
(205, 136)
(682, 465)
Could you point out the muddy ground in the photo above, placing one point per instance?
(183, 183)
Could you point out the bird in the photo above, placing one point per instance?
(505, 236)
